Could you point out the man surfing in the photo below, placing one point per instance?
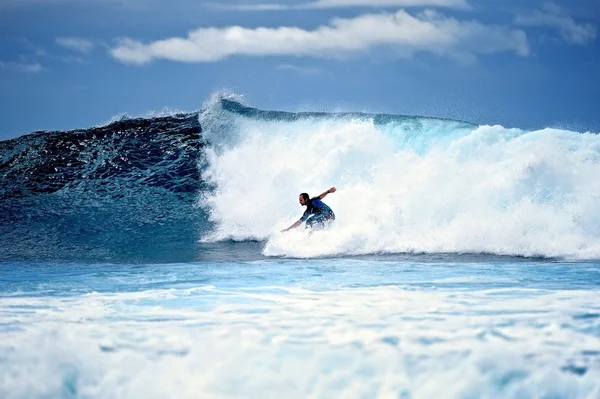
(317, 215)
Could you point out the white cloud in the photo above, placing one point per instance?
(299, 69)
(405, 34)
(75, 44)
(23, 67)
(555, 17)
(348, 3)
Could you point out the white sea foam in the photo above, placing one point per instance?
(274, 342)
(416, 186)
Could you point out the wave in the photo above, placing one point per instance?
(169, 187)
(124, 191)
(405, 184)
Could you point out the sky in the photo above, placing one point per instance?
(527, 64)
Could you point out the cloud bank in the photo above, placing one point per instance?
(400, 32)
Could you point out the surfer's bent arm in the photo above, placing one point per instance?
(298, 223)
(331, 190)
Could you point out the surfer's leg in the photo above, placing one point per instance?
(328, 220)
(319, 222)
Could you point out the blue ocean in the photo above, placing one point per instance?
(144, 258)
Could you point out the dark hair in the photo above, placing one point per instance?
(305, 196)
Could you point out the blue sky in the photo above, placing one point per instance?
(72, 64)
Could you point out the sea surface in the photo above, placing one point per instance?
(144, 259)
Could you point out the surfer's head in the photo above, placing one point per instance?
(304, 198)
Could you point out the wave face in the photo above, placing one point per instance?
(405, 184)
(119, 192)
(228, 177)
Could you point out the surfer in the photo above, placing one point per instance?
(317, 215)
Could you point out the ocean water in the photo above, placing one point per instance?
(144, 259)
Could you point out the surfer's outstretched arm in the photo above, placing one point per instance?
(298, 223)
(331, 190)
